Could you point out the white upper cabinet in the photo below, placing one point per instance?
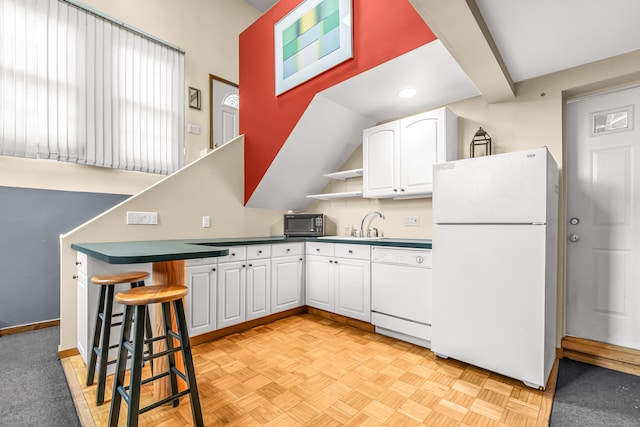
(398, 156)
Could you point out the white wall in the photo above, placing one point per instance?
(212, 185)
(208, 31)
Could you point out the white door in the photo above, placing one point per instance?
(224, 114)
(232, 278)
(419, 139)
(381, 161)
(319, 282)
(258, 288)
(603, 213)
(353, 288)
(201, 299)
(286, 283)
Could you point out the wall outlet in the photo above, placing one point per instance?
(145, 218)
(411, 220)
(206, 221)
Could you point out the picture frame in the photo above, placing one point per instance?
(195, 98)
(315, 36)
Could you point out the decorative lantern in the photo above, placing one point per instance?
(480, 139)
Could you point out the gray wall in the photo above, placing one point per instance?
(31, 222)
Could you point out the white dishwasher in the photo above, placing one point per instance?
(401, 293)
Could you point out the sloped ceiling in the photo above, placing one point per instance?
(489, 45)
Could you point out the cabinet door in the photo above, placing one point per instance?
(353, 288)
(319, 282)
(201, 298)
(286, 283)
(380, 166)
(418, 152)
(231, 293)
(258, 288)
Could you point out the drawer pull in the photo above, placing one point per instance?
(317, 249)
(259, 252)
(78, 262)
(74, 277)
(350, 251)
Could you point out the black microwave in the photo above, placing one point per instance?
(303, 225)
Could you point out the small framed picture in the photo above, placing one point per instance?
(194, 98)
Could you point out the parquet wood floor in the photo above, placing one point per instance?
(312, 371)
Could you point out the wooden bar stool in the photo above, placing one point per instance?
(136, 315)
(103, 324)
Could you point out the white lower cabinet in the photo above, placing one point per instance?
(232, 282)
(286, 277)
(201, 279)
(353, 288)
(319, 280)
(258, 288)
(338, 279)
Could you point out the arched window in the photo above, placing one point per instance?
(232, 101)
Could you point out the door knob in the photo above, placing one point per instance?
(574, 237)
(574, 221)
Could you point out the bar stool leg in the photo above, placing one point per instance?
(188, 362)
(136, 366)
(166, 315)
(104, 349)
(148, 329)
(91, 371)
(121, 366)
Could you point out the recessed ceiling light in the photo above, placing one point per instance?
(407, 93)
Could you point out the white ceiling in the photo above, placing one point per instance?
(543, 36)
(533, 38)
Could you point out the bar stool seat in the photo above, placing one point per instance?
(103, 324)
(136, 301)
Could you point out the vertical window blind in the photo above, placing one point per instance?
(76, 86)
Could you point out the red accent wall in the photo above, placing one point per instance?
(382, 30)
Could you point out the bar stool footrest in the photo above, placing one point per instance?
(164, 401)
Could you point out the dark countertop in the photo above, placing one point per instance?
(171, 250)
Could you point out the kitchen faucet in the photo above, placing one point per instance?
(365, 217)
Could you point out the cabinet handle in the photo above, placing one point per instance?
(395, 190)
(259, 252)
(78, 263)
(288, 250)
(74, 277)
(233, 254)
(243, 266)
(317, 249)
(350, 251)
(336, 261)
(213, 269)
(250, 265)
(300, 259)
(402, 189)
(331, 261)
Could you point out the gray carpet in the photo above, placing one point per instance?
(33, 388)
(588, 396)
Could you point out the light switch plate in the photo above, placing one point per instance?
(142, 218)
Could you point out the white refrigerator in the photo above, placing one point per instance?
(495, 226)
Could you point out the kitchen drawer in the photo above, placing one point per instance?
(236, 253)
(258, 251)
(200, 261)
(285, 249)
(325, 249)
(81, 263)
(353, 251)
